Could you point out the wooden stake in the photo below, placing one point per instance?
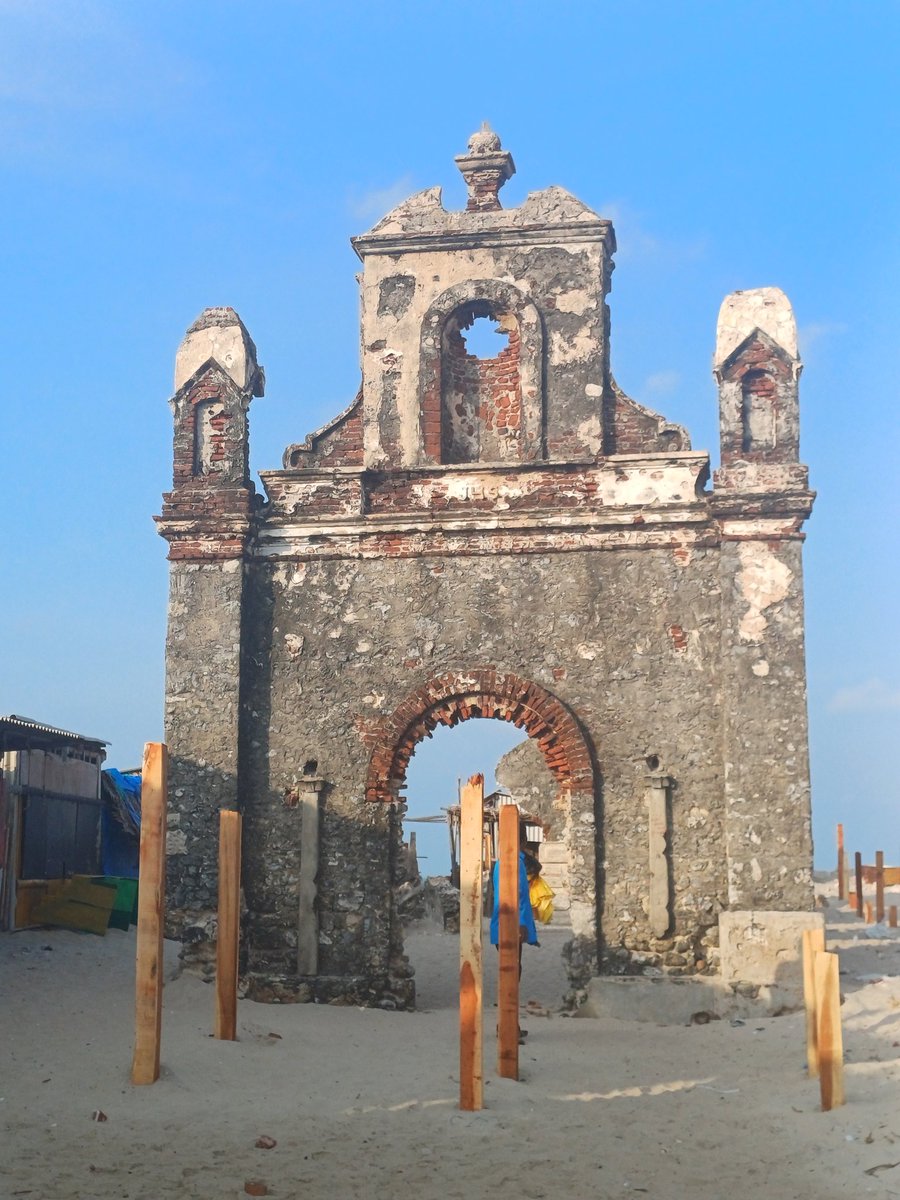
(813, 940)
(508, 991)
(870, 913)
(828, 1031)
(879, 885)
(229, 924)
(892, 916)
(840, 862)
(151, 910)
(471, 1055)
(857, 860)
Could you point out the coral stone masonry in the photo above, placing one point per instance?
(501, 536)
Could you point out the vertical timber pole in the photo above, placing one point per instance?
(857, 862)
(471, 841)
(229, 924)
(813, 940)
(840, 863)
(828, 1031)
(508, 944)
(879, 886)
(151, 910)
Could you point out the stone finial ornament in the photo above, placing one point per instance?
(484, 140)
(485, 169)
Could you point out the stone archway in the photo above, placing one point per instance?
(483, 692)
(457, 696)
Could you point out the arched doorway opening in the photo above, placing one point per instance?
(455, 697)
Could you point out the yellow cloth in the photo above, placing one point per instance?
(541, 894)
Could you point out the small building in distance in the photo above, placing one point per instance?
(50, 812)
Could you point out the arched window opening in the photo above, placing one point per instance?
(481, 395)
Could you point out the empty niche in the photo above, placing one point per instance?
(758, 395)
(481, 400)
(210, 421)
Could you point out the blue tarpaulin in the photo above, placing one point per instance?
(120, 830)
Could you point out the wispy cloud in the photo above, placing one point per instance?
(83, 55)
(875, 695)
(661, 383)
(376, 202)
(636, 241)
(814, 332)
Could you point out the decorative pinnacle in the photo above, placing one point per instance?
(485, 168)
(484, 140)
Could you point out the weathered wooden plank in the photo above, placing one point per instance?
(471, 1054)
(151, 910)
(829, 1039)
(228, 939)
(813, 941)
(879, 885)
(857, 859)
(508, 944)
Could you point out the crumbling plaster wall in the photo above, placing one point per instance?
(398, 293)
(342, 643)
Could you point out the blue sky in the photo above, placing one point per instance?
(157, 159)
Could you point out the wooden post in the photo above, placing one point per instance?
(229, 924)
(508, 991)
(828, 1031)
(870, 913)
(892, 916)
(471, 1055)
(879, 885)
(151, 910)
(857, 861)
(813, 940)
(840, 862)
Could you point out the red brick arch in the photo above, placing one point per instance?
(483, 692)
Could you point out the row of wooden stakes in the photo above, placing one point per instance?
(151, 918)
(878, 874)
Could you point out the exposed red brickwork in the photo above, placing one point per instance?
(481, 401)
(555, 488)
(337, 444)
(767, 381)
(461, 695)
(208, 512)
(483, 190)
(629, 428)
(678, 636)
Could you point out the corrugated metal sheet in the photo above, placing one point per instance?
(25, 729)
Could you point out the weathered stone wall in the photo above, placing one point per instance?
(341, 643)
(202, 731)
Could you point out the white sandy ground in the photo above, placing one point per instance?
(363, 1103)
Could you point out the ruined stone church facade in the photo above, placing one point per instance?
(506, 537)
